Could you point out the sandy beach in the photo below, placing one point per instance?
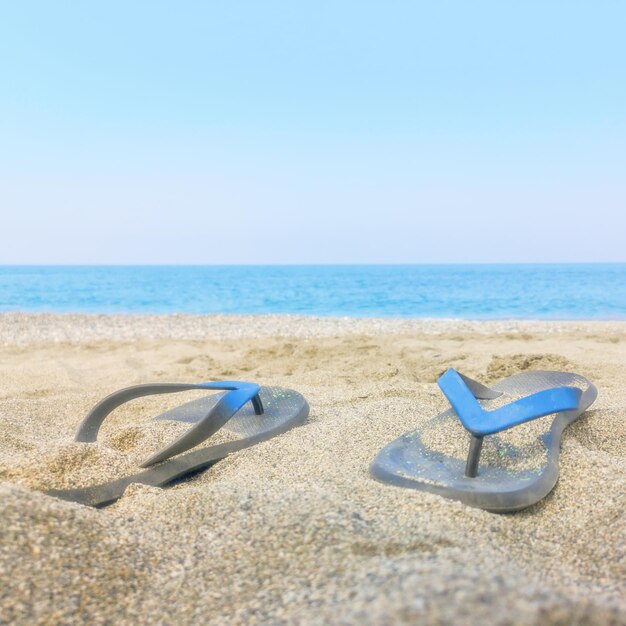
(294, 530)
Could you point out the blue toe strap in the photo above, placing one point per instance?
(480, 422)
(238, 394)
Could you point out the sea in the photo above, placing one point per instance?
(542, 291)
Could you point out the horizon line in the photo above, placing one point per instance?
(388, 264)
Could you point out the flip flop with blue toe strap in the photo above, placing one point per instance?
(255, 413)
(494, 486)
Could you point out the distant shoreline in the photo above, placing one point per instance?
(34, 328)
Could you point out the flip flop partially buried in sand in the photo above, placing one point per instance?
(514, 440)
(254, 413)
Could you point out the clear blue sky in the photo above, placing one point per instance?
(312, 132)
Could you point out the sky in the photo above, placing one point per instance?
(151, 132)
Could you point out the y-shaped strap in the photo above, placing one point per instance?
(238, 394)
(462, 393)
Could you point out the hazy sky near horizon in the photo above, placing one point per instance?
(312, 132)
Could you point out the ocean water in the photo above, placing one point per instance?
(589, 291)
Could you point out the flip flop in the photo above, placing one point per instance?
(519, 467)
(256, 413)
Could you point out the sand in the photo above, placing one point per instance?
(294, 530)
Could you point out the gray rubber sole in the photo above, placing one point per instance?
(407, 462)
(283, 409)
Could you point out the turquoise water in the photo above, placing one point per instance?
(590, 291)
